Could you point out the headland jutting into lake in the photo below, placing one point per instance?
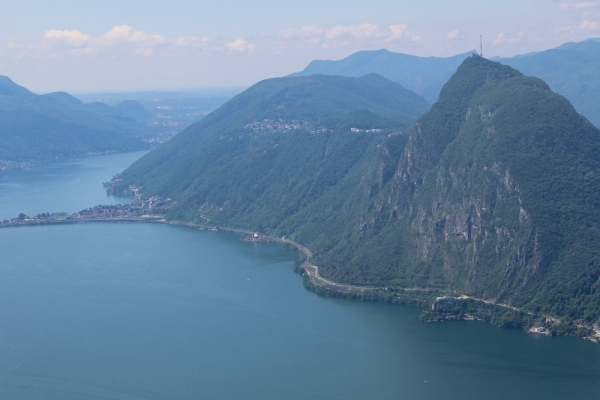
(436, 306)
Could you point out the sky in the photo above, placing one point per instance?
(118, 46)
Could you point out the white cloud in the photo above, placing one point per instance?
(242, 46)
(360, 31)
(577, 5)
(72, 38)
(399, 30)
(452, 35)
(589, 24)
(341, 34)
(192, 41)
(125, 33)
(122, 37)
(309, 31)
(118, 32)
(502, 39)
(456, 34)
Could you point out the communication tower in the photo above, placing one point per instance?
(480, 46)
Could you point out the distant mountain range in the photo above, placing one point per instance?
(36, 128)
(572, 70)
(423, 75)
(494, 192)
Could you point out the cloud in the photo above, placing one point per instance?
(588, 24)
(360, 31)
(124, 39)
(125, 33)
(117, 33)
(120, 38)
(398, 30)
(72, 38)
(193, 41)
(241, 45)
(309, 31)
(341, 34)
(577, 5)
(502, 38)
(456, 34)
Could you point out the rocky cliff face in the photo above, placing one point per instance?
(487, 197)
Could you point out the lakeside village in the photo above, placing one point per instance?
(149, 209)
(445, 308)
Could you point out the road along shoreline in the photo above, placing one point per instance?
(312, 271)
(422, 298)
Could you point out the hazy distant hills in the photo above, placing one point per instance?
(275, 148)
(423, 75)
(494, 192)
(572, 70)
(164, 114)
(35, 128)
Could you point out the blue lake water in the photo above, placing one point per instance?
(63, 186)
(152, 311)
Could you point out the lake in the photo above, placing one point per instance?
(153, 311)
(63, 186)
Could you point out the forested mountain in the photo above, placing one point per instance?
(423, 75)
(37, 128)
(494, 192)
(572, 70)
(275, 148)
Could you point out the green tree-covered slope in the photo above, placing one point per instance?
(494, 192)
(37, 128)
(275, 148)
(572, 70)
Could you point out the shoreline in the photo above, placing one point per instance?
(312, 271)
(312, 279)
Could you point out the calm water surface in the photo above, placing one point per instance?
(142, 311)
(64, 186)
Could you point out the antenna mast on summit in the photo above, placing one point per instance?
(480, 46)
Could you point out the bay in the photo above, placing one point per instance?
(68, 185)
(154, 311)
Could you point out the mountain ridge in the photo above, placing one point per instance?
(571, 69)
(494, 192)
(423, 75)
(37, 128)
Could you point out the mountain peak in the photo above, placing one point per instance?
(9, 88)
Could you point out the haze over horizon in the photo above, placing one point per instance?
(110, 46)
